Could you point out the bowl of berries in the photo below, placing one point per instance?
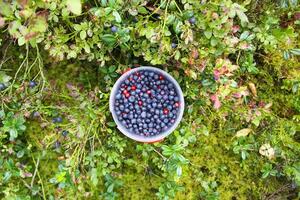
(147, 104)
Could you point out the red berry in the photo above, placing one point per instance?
(161, 77)
(133, 87)
(126, 93)
(165, 111)
(177, 104)
(130, 79)
(148, 92)
(140, 103)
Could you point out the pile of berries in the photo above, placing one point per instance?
(147, 103)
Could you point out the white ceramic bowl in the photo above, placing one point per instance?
(124, 130)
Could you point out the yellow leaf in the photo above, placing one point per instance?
(252, 89)
(243, 132)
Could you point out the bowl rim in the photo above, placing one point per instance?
(119, 124)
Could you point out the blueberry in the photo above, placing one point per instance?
(173, 45)
(176, 98)
(165, 128)
(143, 114)
(57, 120)
(122, 107)
(2, 86)
(114, 29)
(35, 114)
(150, 125)
(118, 96)
(131, 99)
(57, 145)
(192, 20)
(118, 112)
(166, 120)
(64, 133)
(32, 84)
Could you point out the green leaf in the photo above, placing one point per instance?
(242, 16)
(295, 51)
(243, 154)
(103, 2)
(170, 19)
(179, 171)
(111, 124)
(94, 177)
(110, 188)
(142, 10)
(13, 134)
(77, 27)
(82, 35)
(109, 39)
(4, 78)
(244, 35)
(5, 9)
(208, 33)
(40, 25)
(112, 3)
(286, 55)
(112, 68)
(117, 16)
(74, 6)
(20, 153)
(213, 42)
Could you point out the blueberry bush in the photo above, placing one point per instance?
(237, 63)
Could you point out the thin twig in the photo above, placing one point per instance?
(35, 171)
